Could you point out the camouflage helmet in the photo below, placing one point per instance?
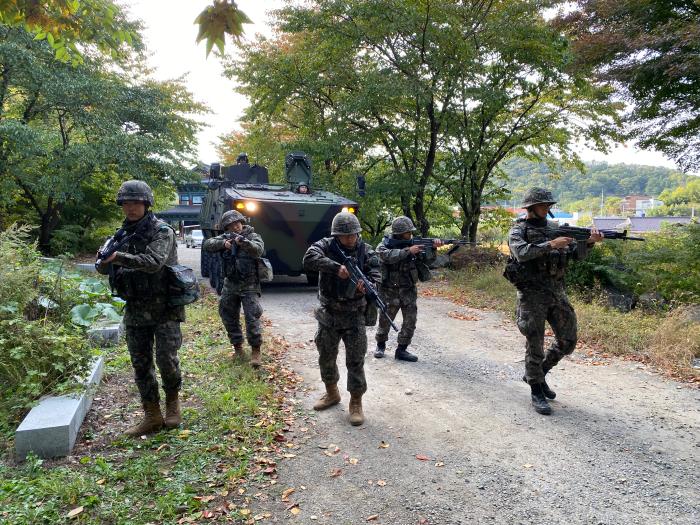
(230, 217)
(242, 157)
(402, 225)
(135, 190)
(535, 196)
(345, 223)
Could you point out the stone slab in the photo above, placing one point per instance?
(106, 335)
(88, 267)
(51, 428)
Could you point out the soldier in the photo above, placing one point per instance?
(242, 158)
(139, 276)
(402, 268)
(539, 256)
(342, 311)
(240, 252)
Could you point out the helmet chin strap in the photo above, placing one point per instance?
(549, 212)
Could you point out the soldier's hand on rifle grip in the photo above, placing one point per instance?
(343, 272)
(437, 243)
(596, 236)
(228, 243)
(415, 249)
(560, 242)
(361, 287)
(109, 259)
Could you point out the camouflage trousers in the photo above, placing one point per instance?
(334, 326)
(168, 339)
(230, 312)
(534, 308)
(404, 299)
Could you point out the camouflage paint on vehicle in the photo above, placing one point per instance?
(288, 220)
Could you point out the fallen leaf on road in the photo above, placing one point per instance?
(421, 457)
(527, 465)
(73, 513)
(422, 521)
(373, 517)
(463, 317)
(295, 510)
(439, 464)
(381, 482)
(353, 461)
(286, 493)
(336, 472)
(383, 444)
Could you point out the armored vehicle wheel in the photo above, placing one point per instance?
(312, 278)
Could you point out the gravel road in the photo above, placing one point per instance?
(452, 439)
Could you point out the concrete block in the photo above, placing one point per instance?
(105, 335)
(51, 428)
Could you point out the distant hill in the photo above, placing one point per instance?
(572, 185)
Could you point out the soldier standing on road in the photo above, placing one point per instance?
(342, 311)
(402, 268)
(539, 256)
(139, 277)
(242, 285)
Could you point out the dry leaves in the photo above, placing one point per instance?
(463, 317)
(421, 457)
(286, 493)
(383, 444)
(336, 472)
(73, 513)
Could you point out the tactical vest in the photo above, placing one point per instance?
(331, 286)
(135, 284)
(240, 266)
(405, 273)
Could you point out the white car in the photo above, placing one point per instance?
(194, 239)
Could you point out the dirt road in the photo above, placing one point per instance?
(452, 439)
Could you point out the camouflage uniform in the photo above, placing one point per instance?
(241, 287)
(138, 276)
(342, 311)
(398, 289)
(541, 293)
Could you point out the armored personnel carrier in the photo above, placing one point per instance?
(289, 217)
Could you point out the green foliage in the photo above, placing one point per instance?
(218, 20)
(649, 50)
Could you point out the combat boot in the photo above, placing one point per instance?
(238, 354)
(381, 348)
(255, 356)
(152, 421)
(404, 355)
(330, 398)
(172, 409)
(539, 401)
(548, 392)
(356, 415)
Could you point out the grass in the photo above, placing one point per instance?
(232, 418)
(669, 341)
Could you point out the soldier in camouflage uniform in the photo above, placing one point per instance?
(242, 285)
(539, 256)
(138, 275)
(342, 311)
(402, 268)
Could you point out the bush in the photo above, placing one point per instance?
(42, 309)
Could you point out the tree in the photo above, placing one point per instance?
(649, 49)
(67, 133)
(441, 91)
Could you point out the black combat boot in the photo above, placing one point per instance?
(548, 392)
(404, 355)
(539, 401)
(381, 348)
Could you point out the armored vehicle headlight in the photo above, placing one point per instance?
(347, 209)
(251, 206)
(240, 205)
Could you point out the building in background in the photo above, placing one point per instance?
(638, 205)
(185, 214)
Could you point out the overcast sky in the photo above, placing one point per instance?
(170, 35)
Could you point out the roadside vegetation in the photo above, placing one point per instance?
(230, 442)
(659, 277)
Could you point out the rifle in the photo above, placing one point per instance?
(356, 276)
(111, 245)
(583, 234)
(232, 236)
(424, 242)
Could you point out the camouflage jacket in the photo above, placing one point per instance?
(333, 292)
(240, 263)
(537, 264)
(139, 276)
(400, 268)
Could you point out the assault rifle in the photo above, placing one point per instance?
(111, 245)
(424, 242)
(583, 234)
(356, 276)
(232, 236)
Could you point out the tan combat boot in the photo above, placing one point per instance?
(172, 409)
(152, 421)
(255, 356)
(330, 398)
(238, 354)
(356, 415)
